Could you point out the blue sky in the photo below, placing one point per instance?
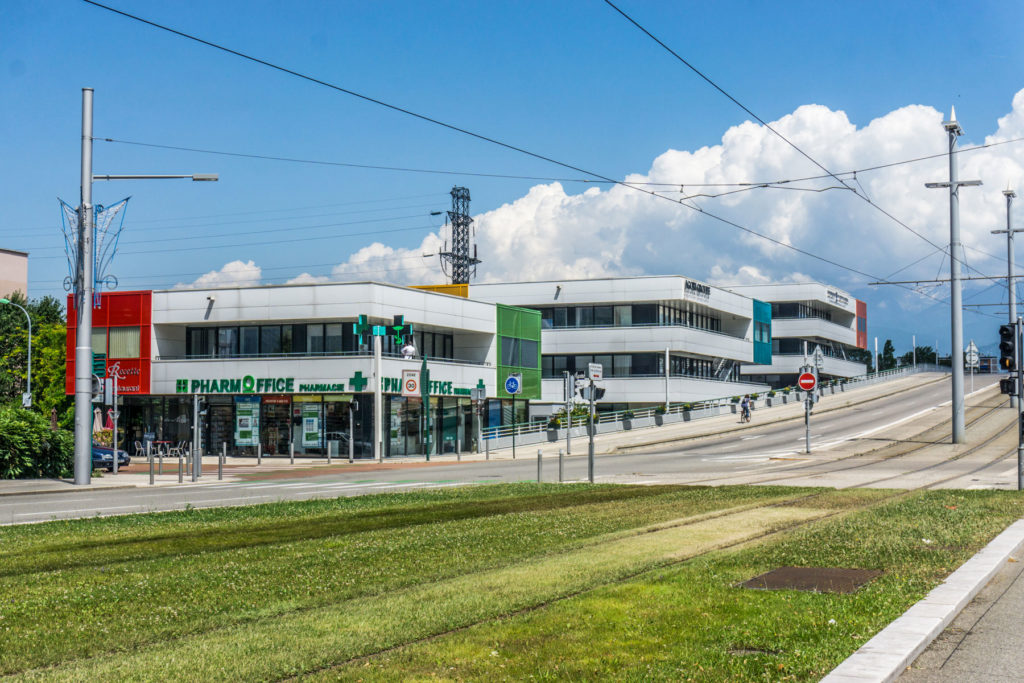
(573, 81)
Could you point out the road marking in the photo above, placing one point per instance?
(748, 438)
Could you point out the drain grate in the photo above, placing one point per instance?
(816, 579)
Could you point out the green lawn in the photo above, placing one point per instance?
(506, 581)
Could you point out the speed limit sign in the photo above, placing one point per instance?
(411, 383)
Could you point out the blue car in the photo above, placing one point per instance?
(103, 458)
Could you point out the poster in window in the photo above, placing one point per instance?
(247, 420)
(311, 425)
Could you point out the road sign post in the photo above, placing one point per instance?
(808, 382)
(514, 386)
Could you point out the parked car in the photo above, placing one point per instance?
(103, 458)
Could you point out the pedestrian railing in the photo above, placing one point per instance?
(545, 429)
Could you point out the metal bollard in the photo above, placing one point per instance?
(328, 452)
(220, 462)
(487, 449)
(160, 458)
(561, 465)
(458, 451)
(538, 466)
(259, 453)
(149, 456)
(181, 468)
(291, 451)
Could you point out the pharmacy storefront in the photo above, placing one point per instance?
(312, 413)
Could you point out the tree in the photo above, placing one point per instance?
(888, 361)
(49, 339)
(925, 354)
(862, 356)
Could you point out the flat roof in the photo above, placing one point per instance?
(14, 251)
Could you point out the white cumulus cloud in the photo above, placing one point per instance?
(235, 273)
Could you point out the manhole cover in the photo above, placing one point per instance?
(816, 579)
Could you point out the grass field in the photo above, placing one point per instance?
(489, 582)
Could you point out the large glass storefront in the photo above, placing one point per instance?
(311, 422)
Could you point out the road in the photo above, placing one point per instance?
(772, 453)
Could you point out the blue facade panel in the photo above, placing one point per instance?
(762, 333)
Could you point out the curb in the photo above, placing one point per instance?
(886, 656)
(68, 490)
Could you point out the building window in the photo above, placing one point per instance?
(510, 351)
(124, 342)
(250, 341)
(227, 341)
(99, 340)
(333, 338)
(270, 339)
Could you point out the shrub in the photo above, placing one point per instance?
(29, 449)
(554, 423)
(735, 399)
(771, 393)
(687, 406)
(659, 410)
(786, 390)
(627, 415)
(753, 397)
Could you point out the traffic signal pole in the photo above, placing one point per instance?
(1018, 329)
(590, 446)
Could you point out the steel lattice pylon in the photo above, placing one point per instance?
(462, 265)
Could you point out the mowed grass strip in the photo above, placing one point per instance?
(295, 643)
(52, 616)
(693, 623)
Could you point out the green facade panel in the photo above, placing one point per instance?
(519, 349)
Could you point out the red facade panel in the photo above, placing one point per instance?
(117, 309)
(862, 325)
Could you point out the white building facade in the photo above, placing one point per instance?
(806, 318)
(659, 339)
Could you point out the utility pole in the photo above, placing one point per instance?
(463, 266)
(878, 363)
(570, 389)
(1018, 326)
(1011, 290)
(913, 348)
(83, 306)
(378, 400)
(590, 446)
(956, 352)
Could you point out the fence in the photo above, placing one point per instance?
(527, 433)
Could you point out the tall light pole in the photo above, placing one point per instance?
(1010, 194)
(86, 258)
(956, 353)
(26, 398)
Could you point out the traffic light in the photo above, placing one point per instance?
(1006, 386)
(1007, 347)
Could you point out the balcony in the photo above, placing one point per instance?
(789, 364)
(813, 327)
(649, 338)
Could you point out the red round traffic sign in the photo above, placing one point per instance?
(807, 381)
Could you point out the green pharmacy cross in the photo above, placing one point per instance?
(357, 382)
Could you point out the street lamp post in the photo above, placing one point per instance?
(953, 130)
(86, 258)
(26, 398)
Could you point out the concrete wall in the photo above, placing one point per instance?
(13, 272)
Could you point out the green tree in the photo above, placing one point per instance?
(925, 354)
(49, 339)
(862, 356)
(888, 361)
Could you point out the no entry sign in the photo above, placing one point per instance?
(807, 381)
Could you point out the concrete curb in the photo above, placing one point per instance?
(886, 656)
(73, 489)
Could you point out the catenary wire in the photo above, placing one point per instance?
(480, 136)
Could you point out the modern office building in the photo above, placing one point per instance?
(806, 317)
(293, 365)
(13, 272)
(659, 339)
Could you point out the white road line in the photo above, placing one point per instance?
(748, 438)
(64, 512)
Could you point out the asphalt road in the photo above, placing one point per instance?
(767, 448)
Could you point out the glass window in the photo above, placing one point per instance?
(314, 338)
(299, 338)
(546, 369)
(604, 316)
(527, 353)
(99, 340)
(558, 365)
(547, 318)
(582, 362)
(645, 364)
(623, 316)
(124, 342)
(227, 341)
(250, 341)
(645, 314)
(509, 351)
(286, 338)
(332, 338)
(585, 316)
(623, 365)
(560, 318)
(605, 360)
(270, 339)
(449, 347)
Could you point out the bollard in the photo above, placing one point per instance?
(458, 451)
(487, 449)
(220, 462)
(291, 451)
(181, 468)
(561, 465)
(259, 453)
(538, 466)
(328, 452)
(160, 458)
(149, 456)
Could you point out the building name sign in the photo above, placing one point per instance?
(837, 298)
(288, 385)
(698, 288)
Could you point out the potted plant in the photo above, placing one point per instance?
(627, 419)
(771, 398)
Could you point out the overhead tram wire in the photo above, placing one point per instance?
(768, 126)
(478, 136)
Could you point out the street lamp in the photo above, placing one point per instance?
(86, 259)
(26, 398)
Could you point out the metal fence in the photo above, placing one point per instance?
(540, 431)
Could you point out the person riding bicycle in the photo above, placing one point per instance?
(745, 408)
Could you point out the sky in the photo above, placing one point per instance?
(852, 85)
